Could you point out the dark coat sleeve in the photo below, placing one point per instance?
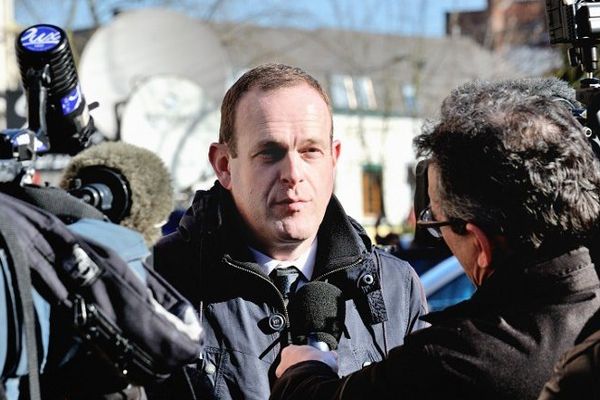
(404, 374)
(307, 380)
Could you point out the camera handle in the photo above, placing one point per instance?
(38, 82)
(584, 54)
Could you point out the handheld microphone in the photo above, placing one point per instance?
(55, 101)
(129, 184)
(317, 312)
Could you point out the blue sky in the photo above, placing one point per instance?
(409, 17)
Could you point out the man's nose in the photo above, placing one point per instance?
(292, 169)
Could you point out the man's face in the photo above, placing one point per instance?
(460, 245)
(282, 178)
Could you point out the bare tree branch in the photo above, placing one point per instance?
(93, 9)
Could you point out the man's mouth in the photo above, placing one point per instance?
(292, 204)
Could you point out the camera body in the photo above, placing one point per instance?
(571, 21)
(576, 23)
(123, 319)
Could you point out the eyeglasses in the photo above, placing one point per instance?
(426, 220)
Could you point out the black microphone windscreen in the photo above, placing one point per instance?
(317, 310)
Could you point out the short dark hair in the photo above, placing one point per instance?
(266, 77)
(512, 159)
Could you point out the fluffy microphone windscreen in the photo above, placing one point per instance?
(317, 309)
(147, 176)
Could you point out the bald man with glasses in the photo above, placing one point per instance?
(514, 193)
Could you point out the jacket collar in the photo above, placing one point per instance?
(341, 240)
(548, 280)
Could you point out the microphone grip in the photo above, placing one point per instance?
(312, 341)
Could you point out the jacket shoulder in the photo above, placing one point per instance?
(173, 259)
(582, 359)
(402, 289)
(576, 372)
(168, 248)
(392, 262)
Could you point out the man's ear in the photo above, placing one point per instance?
(336, 148)
(483, 256)
(218, 154)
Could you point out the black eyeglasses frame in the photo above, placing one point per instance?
(427, 221)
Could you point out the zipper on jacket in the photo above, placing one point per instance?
(287, 317)
(320, 277)
(352, 264)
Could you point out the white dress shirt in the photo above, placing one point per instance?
(305, 263)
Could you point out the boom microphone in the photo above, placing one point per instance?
(317, 312)
(49, 76)
(129, 184)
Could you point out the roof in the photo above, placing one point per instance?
(406, 76)
(431, 66)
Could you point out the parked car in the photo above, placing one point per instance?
(443, 278)
(446, 284)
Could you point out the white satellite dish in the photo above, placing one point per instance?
(142, 43)
(174, 118)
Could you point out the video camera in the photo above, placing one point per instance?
(577, 23)
(98, 310)
(59, 121)
(58, 116)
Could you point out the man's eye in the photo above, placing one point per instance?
(272, 154)
(312, 152)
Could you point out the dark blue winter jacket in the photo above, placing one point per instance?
(209, 262)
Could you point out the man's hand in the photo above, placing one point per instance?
(293, 354)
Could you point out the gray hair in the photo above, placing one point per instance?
(513, 159)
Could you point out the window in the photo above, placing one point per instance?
(351, 93)
(409, 94)
(342, 92)
(365, 94)
(372, 185)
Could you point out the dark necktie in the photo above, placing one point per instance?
(286, 280)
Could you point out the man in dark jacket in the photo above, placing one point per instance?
(576, 373)
(271, 208)
(513, 187)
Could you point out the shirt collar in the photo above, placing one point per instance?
(305, 263)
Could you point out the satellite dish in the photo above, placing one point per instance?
(174, 118)
(142, 43)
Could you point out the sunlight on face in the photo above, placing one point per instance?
(282, 178)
